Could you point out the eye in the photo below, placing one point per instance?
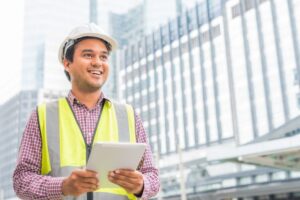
(87, 55)
(103, 57)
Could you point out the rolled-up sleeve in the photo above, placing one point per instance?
(148, 169)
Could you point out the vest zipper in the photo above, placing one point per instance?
(88, 146)
(88, 151)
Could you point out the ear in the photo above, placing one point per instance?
(66, 64)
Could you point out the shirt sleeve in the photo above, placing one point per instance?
(28, 182)
(148, 169)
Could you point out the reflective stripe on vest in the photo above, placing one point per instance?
(64, 148)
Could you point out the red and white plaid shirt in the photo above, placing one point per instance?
(27, 178)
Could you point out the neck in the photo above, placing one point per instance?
(89, 99)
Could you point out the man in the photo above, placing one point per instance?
(59, 135)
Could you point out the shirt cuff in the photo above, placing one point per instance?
(145, 194)
(55, 188)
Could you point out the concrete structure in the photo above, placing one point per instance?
(211, 84)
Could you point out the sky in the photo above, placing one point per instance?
(11, 22)
(121, 6)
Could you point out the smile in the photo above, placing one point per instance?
(96, 72)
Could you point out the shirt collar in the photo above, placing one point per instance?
(73, 100)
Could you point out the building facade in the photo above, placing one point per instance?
(225, 73)
(134, 24)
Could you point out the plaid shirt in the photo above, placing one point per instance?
(27, 178)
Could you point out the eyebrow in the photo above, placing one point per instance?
(91, 51)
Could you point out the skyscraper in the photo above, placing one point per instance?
(130, 20)
(100, 12)
(141, 19)
(221, 75)
(45, 26)
(132, 25)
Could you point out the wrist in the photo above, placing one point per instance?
(64, 187)
(140, 193)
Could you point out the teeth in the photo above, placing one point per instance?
(96, 72)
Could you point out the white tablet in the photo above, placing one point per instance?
(108, 156)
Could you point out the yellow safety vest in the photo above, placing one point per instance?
(64, 147)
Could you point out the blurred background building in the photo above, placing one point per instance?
(14, 115)
(216, 83)
(42, 77)
(218, 89)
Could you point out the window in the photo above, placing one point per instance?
(194, 42)
(248, 4)
(262, 1)
(216, 31)
(166, 56)
(165, 34)
(191, 19)
(202, 13)
(149, 44)
(205, 37)
(184, 48)
(173, 30)
(236, 11)
(175, 52)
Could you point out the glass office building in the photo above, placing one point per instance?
(225, 73)
(139, 20)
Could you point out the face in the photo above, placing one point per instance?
(89, 69)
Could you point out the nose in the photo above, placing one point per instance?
(96, 62)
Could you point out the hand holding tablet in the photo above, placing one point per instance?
(108, 156)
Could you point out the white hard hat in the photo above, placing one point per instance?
(86, 30)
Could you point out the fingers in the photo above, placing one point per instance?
(80, 181)
(128, 173)
(85, 173)
(93, 181)
(85, 177)
(128, 177)
(132, 181)
(88, 187)
(129, 186)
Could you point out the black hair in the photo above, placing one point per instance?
(70, 51)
